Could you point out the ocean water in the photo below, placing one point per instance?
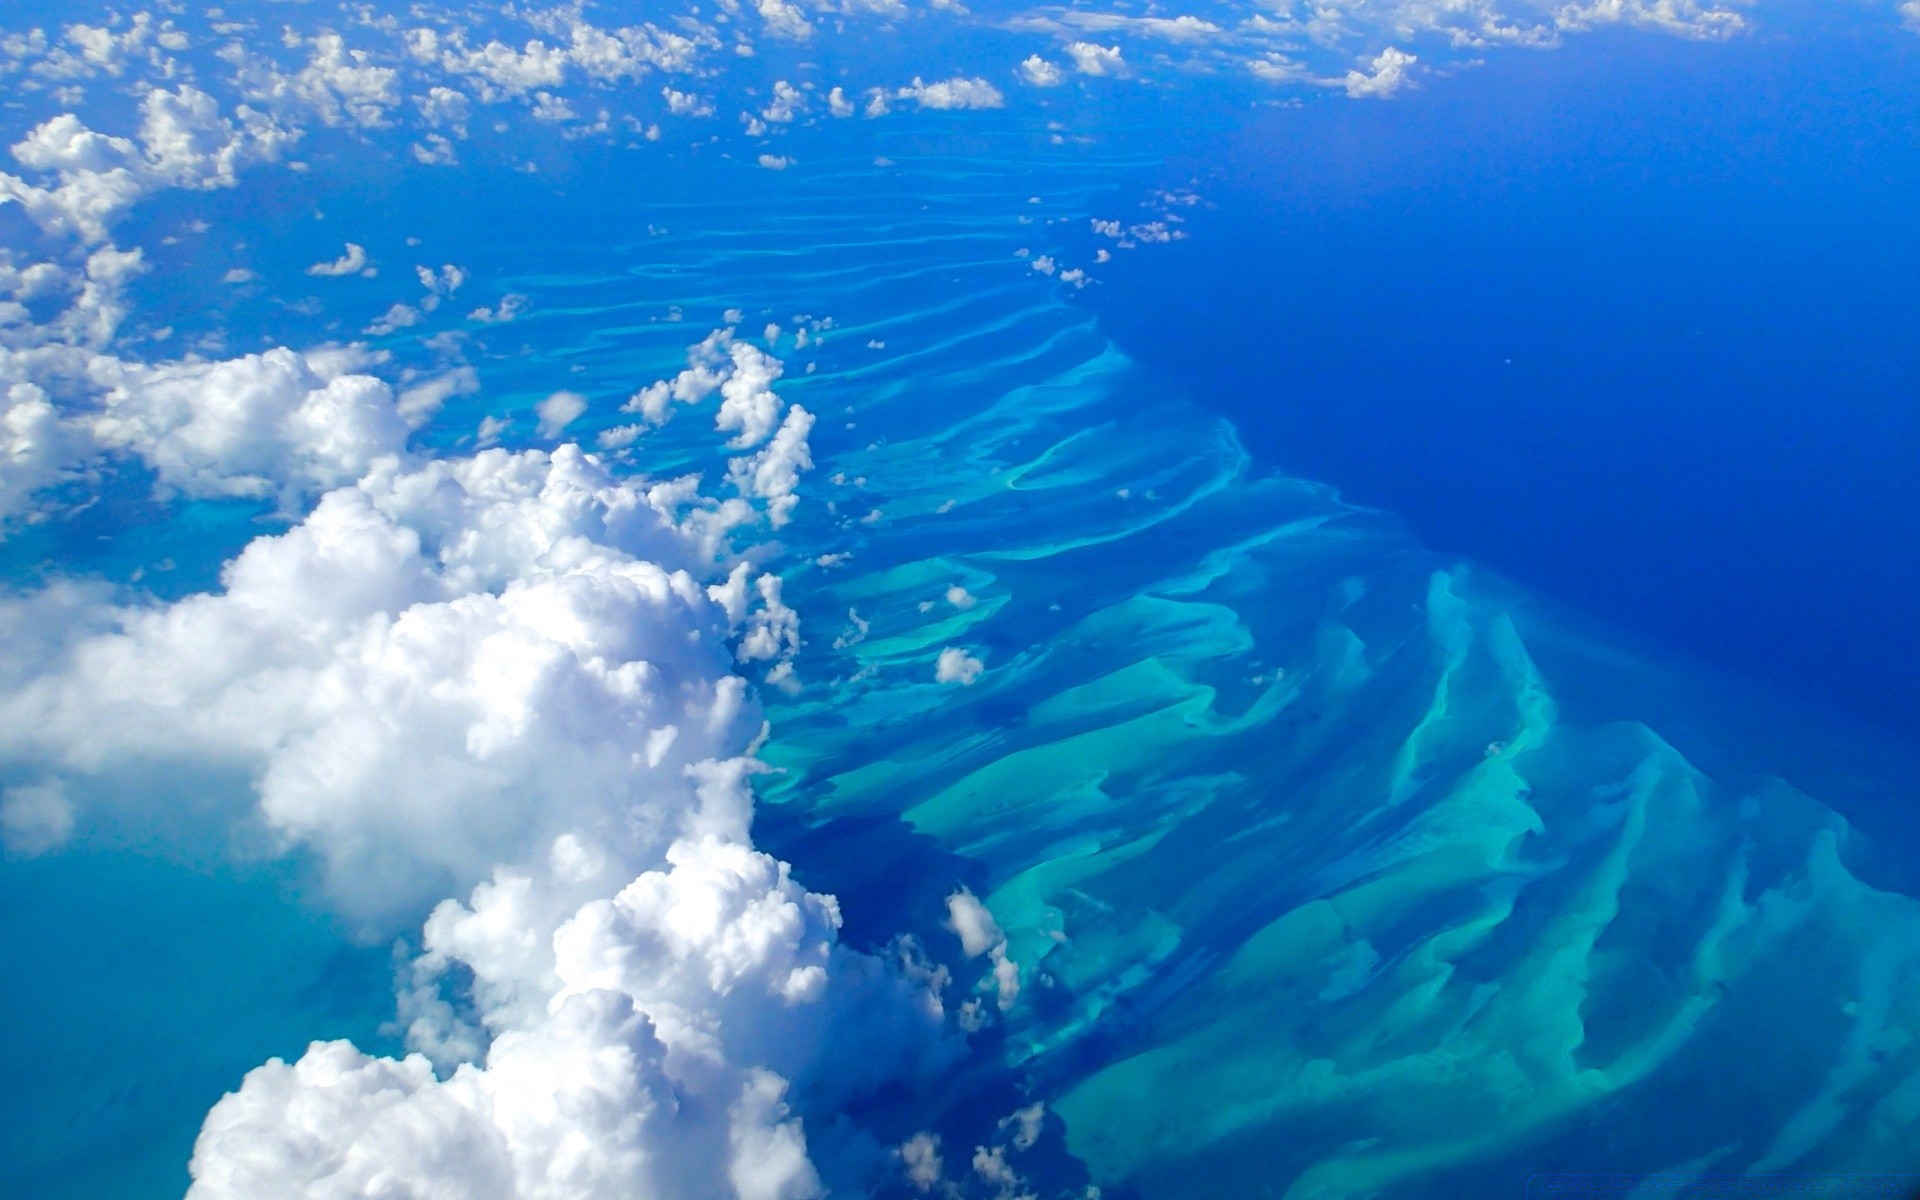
(1630, 321)
(1359, 825)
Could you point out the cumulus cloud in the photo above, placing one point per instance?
(183, 142)
(957, 666)
(1041, 73)
(512, 678)
(351, 263)
(39, 448)
(1384, 75)
(783, 20)
(396, 318)
(1092, 59)
(980, 935)
(958, 92)
(265, 425)
(558, 411)
(509, 308)
(683, 1022)
(743, 375)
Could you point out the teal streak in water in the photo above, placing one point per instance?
(1315, 887)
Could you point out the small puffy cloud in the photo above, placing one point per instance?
(351, 263)
(775, 162)
(840, 106)
(510, 307)
(972, 923)
(435, 150)
(783, 20)
(400, 316)
(787, 103)
(1092, 59)
(979, 935)
(558, 411)
(958, 92)
(1386, 73)
(961, 598)
(1041, 73)
(957, 666)
(920, 1161)
(685, 104)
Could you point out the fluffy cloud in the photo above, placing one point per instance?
(957, 666)
(1041, 73)
(1385, 74)
(510, 674)
(688, 1022)
(351, 263)
(37, 446)
(184, 142)
(513, 676)
(958, 92)
(1091, 59)
(558, 411)
(274, 424)
(980, 935)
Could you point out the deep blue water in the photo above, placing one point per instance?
(1633, 321)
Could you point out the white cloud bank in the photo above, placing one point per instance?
(512, 677)
(184, 141)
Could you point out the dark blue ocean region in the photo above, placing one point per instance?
(1631, 321)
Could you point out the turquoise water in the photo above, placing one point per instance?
(1332, 866)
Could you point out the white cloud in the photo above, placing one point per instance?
(957, 666)
(979, 935)
(775, 162)
(958, 92)
(510, 677)
(277, 423)
(774, 472)
(558, 411)
(184, 142)
(351, 263)
(1187, 29)
(435, 151)
(400, 316)
(1091, 59)
(510, 307)
(38, 447)
(675, 1019)
(685, 104)
(783, 20)
(1386, 73)
(920, 1160)
(445, 106)
(1041, 73)
(787, 102)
